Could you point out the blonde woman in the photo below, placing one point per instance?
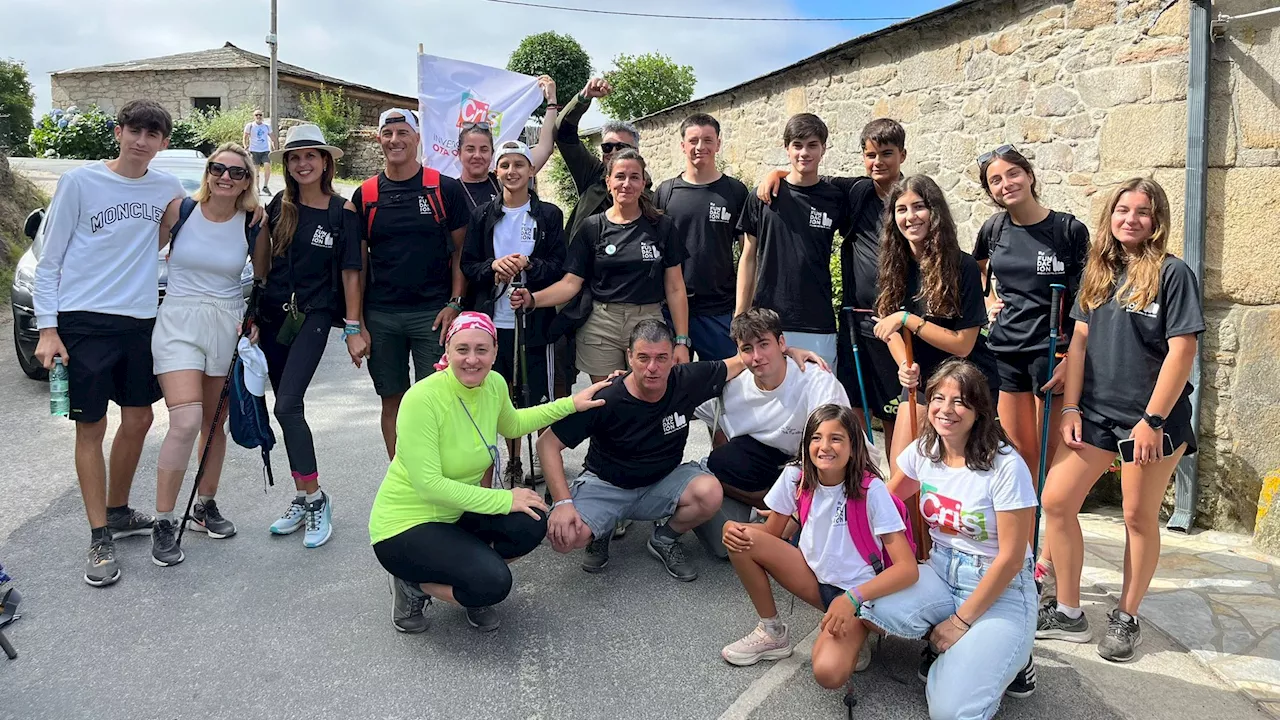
(195, 334)
(1138, 315)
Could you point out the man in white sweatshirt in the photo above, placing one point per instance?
(95, 300)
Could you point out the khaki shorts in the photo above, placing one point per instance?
(196, 333)
(602, 340)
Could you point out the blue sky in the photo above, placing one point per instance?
(373, 41)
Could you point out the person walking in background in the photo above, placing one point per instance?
(260, 141)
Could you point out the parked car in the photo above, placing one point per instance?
(187, 165)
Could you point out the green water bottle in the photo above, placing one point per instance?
(59, 395)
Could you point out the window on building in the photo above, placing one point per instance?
(206, 104)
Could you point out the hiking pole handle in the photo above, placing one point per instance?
(911, 392)
(1056, 291)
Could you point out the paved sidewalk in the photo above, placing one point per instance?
(1212, 593)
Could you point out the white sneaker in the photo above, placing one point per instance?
(758, 645)
(535, 469)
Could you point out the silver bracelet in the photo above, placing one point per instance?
(558, 503)
(1070, 409)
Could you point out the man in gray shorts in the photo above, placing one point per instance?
(258, 140)
(633, 467)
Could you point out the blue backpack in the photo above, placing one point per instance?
(250, 424)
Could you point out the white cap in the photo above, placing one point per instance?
(512, 147)
(255, 367)
(409, 118)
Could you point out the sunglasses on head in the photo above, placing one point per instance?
(986, 157)
(468, 126)
(236, 172)
(611, 146)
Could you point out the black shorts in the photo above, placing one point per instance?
(828, 594)
(536, 357)
(1023, 371)
(261, 158)
(110, 360)
(1105, 434)
(566, 356)
(748, 464)
(874, 369)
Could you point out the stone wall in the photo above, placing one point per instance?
(171, 88)
(1095, 92)
(363, 156)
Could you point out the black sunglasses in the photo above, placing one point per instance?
(986, 157)
(469, 126)
(236, 172)
(609, 147)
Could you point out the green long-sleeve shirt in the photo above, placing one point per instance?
(440, 456)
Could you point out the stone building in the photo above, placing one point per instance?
(217, 79)
(1095, 91)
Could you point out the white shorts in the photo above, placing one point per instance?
(823, 344)
(196, 333)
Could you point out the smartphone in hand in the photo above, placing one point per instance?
(1126, 448)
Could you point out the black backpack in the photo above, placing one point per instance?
(189, 204)
(993, 230)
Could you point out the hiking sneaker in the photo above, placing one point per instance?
(165, 550)
(864, 653)
(266, 190)
(129, 522)
(484, 619)
(291, 521)
(620, 529)
(1123, 637)
(206, 518)
(513, 474)
(318, 520)
(1046, 582)
(1054, 625)
(928, 657)
(756, 646)
(1024, 683)
(672, 556)
(101, 569)
(597, 555)
(407, 602)
(535, 468)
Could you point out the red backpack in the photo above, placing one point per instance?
(858, 520)
(430, 185)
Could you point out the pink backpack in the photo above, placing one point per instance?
(858, 521)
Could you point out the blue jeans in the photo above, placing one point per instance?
(3, 578)
(968, 680)
(708, 335)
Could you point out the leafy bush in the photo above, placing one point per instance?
(225, 126)
(73, 133)
(562, 183)
(333, 112)
(16, 102)
(187, 132)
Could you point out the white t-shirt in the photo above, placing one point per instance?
(960, 505)
(514, 233)
(259, 136)
(101, 244)
(207, 258)
(824, 538)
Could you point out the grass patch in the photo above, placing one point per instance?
(18, 197)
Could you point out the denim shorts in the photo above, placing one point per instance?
(602, 504)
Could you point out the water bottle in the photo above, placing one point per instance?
(59, 396)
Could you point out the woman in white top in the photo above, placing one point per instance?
(976, 597)
(195, 336)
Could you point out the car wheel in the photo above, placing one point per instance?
(30, 366)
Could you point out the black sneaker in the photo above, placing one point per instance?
(927, 658)
(101, 569)
(484, 619)
(1024, 684)
(128, 522)
(513, 474)
(1053, 625)
(407, 603)
(1123, 637)
(10, 598)
(672, 556)
(597, 555)
(165, 550)
(205, 517)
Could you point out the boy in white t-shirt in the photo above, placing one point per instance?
(259, 141)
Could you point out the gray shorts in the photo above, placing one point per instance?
(602, 504)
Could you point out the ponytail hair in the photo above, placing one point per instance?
(647, 208)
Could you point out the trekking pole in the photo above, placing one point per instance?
(918, 526)
(521, 368)
(7, 647)
(1055, 300)
(850, 319)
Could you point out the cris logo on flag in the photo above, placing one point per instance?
(472, 109)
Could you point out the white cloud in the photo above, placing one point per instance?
(373, 42)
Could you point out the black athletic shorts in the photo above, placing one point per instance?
(828, 594)
(1104, 433)
(566, 357)
(748, 464)
(1023, 371)
(874, 369)
(110, 361)
(537, 358)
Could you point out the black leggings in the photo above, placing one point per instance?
(291, 368)
(468, 555)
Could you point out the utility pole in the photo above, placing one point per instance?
(275, 78)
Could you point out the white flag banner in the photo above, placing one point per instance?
(452, 93)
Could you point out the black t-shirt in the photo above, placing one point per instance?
(481, 193)
(795, 235)
(706, 216)
(1025, 261)
(635, 443)
(973, 314)
(860, 251)
(1128, 345)
(409, 249)
(316, 248)
(625, 263)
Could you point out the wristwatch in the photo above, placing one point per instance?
(1155, 422)
(455, 303)
(682, 340)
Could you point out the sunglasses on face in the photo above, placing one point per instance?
(609, 147)
(986, 157)
(235, 172)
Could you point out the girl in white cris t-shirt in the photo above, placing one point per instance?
(825, 570)
(976, 597)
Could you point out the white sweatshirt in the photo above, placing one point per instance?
(101, 244)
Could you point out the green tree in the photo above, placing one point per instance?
(559, 56)
(645, 84)
(16, 103)
(332, 112)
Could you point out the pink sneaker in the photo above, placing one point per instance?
(757, 646)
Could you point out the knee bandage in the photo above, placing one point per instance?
(184, 428)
